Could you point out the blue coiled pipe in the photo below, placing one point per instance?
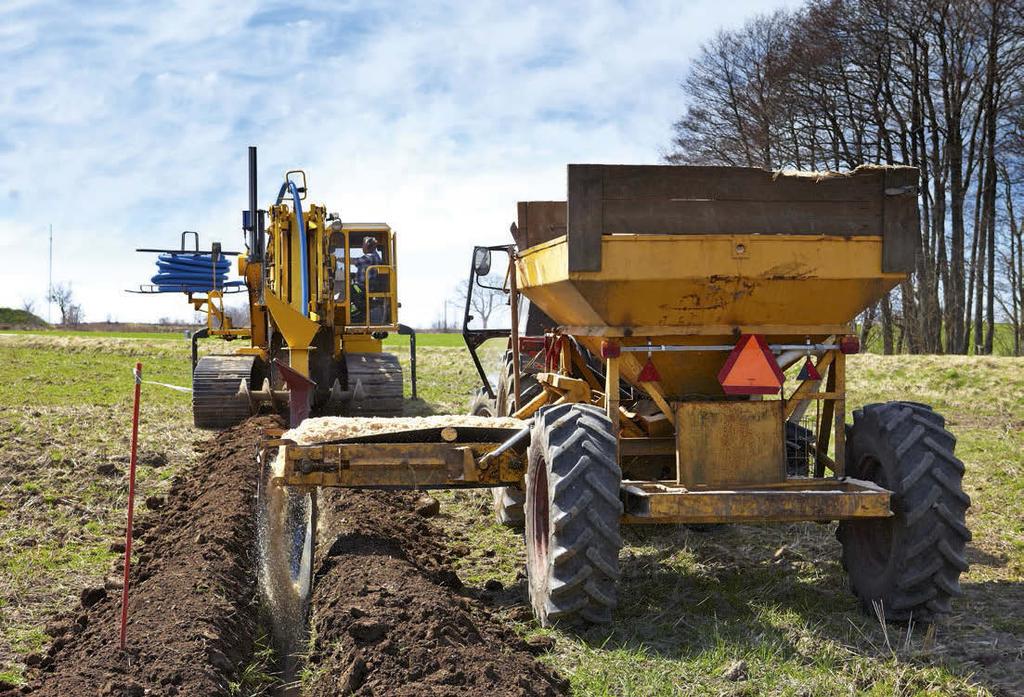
(304, 272)
(193, 272)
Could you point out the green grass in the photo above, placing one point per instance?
(257, 677)
(692, 602)
(158, 336)
(425, 339)
(8, 315)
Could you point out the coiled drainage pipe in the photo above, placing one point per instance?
(192, 272)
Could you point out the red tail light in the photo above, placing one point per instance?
(531, 344)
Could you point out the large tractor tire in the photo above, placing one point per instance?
(799, 449)
(911, 562)
(508, 501)
(572, 516)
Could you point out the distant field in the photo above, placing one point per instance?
(392, 340)
(160, 336)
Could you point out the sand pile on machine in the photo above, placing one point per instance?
(328, 429)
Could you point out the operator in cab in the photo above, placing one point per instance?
(371, 257)
(363, 281)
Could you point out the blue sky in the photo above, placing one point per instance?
(124, 123)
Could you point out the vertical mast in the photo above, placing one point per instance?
(49, 285)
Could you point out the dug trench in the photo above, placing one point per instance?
(389, 616)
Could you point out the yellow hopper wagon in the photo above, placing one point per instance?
(698, 324)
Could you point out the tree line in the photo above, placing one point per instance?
(936, 84)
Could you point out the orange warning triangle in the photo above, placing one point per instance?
(751, 368)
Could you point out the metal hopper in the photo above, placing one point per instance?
(698, 255)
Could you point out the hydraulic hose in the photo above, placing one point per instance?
(304, 272)
(192, 272)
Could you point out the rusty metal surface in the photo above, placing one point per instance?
(415, 465)
(730, 443)
(795, 500)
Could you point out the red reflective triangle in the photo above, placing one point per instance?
(649, 373)
(809, 372)
(751, 368)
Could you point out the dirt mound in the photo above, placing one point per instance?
(193, 608)
(388, 619)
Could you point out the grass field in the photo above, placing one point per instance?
(734, 610)
(394, 340)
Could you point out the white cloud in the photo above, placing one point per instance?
(125, 126)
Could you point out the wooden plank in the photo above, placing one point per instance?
(901, 225)
(825, 426)
(540, 221)
(839, 369)
(585, 217)
(693, 217)
(636, 182)
(670, 199)
(611, 393)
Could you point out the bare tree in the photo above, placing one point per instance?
(936, 84)
(487, 297)
(28, 305)
(70, 311)
(238, 314)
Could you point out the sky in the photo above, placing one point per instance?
(122, 124)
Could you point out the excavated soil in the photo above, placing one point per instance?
(389, 614)
(389, 618)
(193, 607)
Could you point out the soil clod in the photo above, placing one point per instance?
(428, 506)
(540, 644)
(91, 596)
(736, 671)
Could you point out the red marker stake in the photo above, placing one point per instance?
(131, 505)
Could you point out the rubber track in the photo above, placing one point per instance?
(381, 377)
(214, 388)
(930, 505)
(576, 443)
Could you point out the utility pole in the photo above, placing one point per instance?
(49, 286)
